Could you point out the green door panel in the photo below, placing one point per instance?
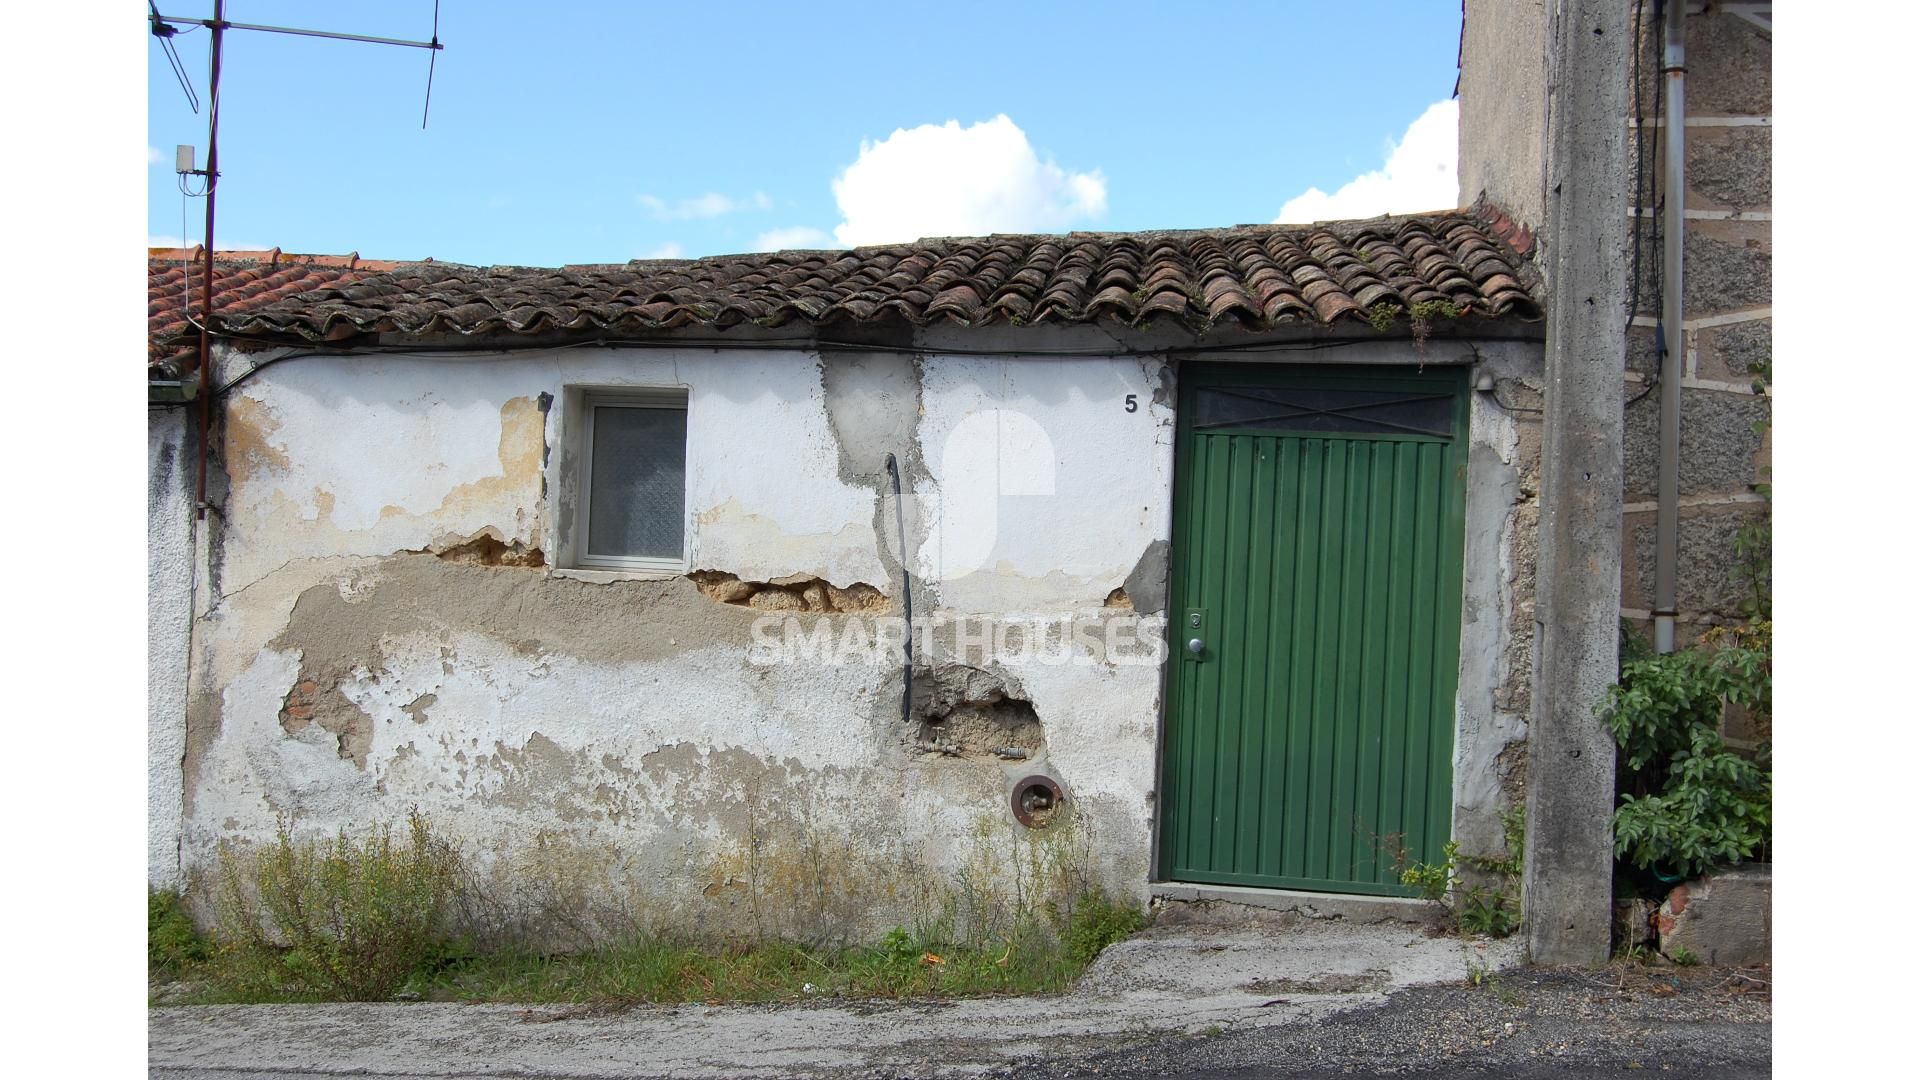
(1318, 523)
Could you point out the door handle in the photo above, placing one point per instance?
(1196, 646)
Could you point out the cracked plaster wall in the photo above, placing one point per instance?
(351, 666)
(347, 672)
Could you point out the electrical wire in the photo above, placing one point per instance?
(433, 55)
(165, 32)
(815, 344)
(1644, 180)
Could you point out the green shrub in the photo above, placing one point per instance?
(1097, 922)
(1688, 803)
(174, 945)
(338, 919)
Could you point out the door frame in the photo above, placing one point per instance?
(1190, 375)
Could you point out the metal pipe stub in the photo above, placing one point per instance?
(1038, 800)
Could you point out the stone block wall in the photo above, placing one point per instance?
(1725, 443)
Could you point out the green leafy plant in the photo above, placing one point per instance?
(1097, 922)
(1457, 882)
(1690, 803)
(174, 945)
(342, 919)
(1684, 956)
(1382, 315)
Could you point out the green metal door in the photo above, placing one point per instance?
(1315, 625)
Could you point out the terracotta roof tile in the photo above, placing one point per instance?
(1257, 277)
(242, 281)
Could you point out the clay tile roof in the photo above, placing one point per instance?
(242, 281)
(1259, 277)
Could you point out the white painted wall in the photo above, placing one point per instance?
(170, 477)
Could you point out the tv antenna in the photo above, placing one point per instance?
(165, 27)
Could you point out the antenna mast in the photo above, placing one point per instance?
(164, 29)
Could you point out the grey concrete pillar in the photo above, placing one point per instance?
(1569, 859)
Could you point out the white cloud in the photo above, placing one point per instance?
(710, 205)
(153, 155)
(1419, 175)
(946, 180)
(669, 250)
(797, 236)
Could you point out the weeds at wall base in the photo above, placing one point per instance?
(382, 918)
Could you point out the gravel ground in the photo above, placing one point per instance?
(1692, 1022)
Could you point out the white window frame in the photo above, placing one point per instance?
(635, 398)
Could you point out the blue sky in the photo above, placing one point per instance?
(600, 132)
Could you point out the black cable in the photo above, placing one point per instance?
(1639, 157)
(797, 343)
(1661, 337)
(433, 55)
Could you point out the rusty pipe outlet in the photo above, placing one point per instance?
(1038, 800)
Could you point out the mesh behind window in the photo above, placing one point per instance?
(1326, 409)
(639, 492)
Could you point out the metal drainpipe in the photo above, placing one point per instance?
(1672, 328)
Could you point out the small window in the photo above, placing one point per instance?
(634, 482)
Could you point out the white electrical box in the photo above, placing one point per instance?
(183, 159)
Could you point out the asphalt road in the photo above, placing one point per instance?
(1525, 1025)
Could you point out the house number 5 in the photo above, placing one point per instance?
(1133, 404)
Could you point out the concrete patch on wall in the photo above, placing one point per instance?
(1491, 720)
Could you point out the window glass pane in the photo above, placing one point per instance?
(639, 469)
(1328, 409)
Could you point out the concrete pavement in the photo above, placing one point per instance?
(1169, 982)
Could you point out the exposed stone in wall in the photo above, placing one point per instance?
(487, 549)
(316, 700)
(1709, 579)
(1729, 266)
(1146, 584)
(1119, 599)
(1730, 167)
(970, 712)
(1729, 65)
(798, 593)
(1734, 351)
(1717, 443)
(1523, 534)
